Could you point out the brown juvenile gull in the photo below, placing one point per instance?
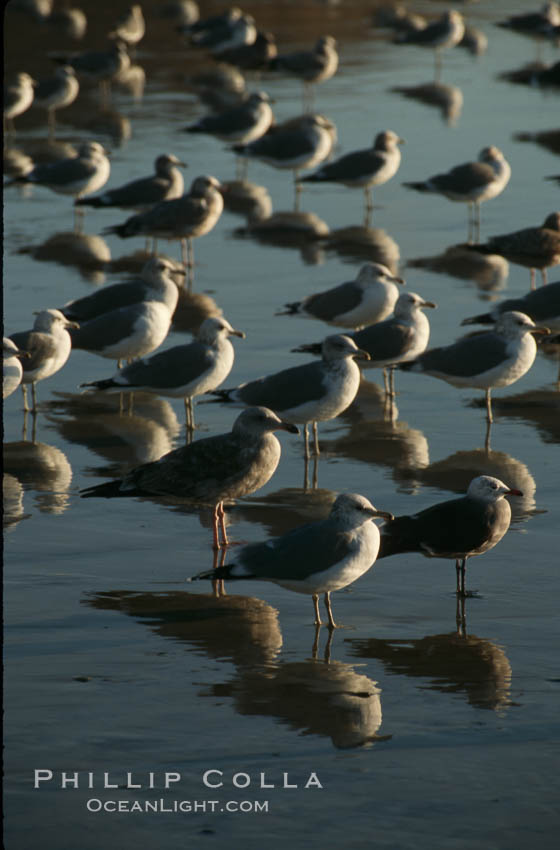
(541, 305)
(56, 92)
(496, 358)
(48, 345)
(364, 168)
(166, 184)
(369, 298)
(315, 558)
(314, 392)
(310, 66)
(212, 470)
(12, 369)
(457, 529)
(135, 329)
(471, 183)
(532, 247)
(193, 214)
(183, 371)
(402, 337)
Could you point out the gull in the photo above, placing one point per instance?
(398, 339)
(12, 369)
(136, 329)
(48, 345)
(539, 23)
(314, 392)
(541, 305)
(496, 358)
(99, 66)
(445, 32)
(224, 32)
(56, 92)
(212, 470)
(18, 97)
(130, 26)
(252, 57)
(184, 371)
(471, 183)
(458, 528)
(77, 175)
(369, 298)
(532, 247)
(315, 558)
(166, 184)
(185, 218)
(310, 66)
(122, 294)
(363, 168)
(242, 124)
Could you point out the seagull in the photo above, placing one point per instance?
(445, 32)
(166, 184)
(193, 214)
(48, 345)
(541, 305)
(212, 470)
(18, 97)
(135, 329)
(364, 168)
(242, 124)
(310, 66)
(130, 26)
(532, 247)
(471, 183)
(398, 339)
(252, 57)
(131, 291)
(314, 392)
(315, 558)
(224, 32)
(77, 175)
(534, 23)
(457, 529)
(369, 298)
(56, 92)
(496, 358)
(12, 369)
(183, 371)
(99, 66)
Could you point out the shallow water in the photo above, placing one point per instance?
(419, 736)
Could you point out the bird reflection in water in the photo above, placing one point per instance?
(42, 468)
(312, 697)
(448, 99)
(89, 253)
(289, 229)
(489, 272)
(360, 242)
(454, 663)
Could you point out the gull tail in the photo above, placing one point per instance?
(93, 201)
(309, 348)
(291, 309)
(106, 384)
(418, 187)
(216, 573)
(124, 230)
(107, 490)
(482, 319)
(398, 535)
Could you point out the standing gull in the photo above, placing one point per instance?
(183, 371)
(166, 184)
(315, 558)
(310, 66)
(364, 168)
(212, 470)
(402, 337)
(314, 392)
(194, 214)
(541, 305)
(367, 299)
(445, 32)
(471, 183)
(99, 66)
(18, 97)
(496, 358)
(12, 369)
(136, 329)
(130, 26)
(56, 92)
(532, 247)
(457, 529)
(224, 32)
(241, 124)
(48, 345)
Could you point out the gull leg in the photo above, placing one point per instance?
(477, 222)
(460, 617)
(489, 417)
(543, 275)
(297, 190)
(24, 391)
(332, 624)
(315, 648)
(533, 281)
(386, 381)
(222, 519)
(315, 598)
(305, 442)
(315, 479)
(34, 397)
(392, 381)
(215, 528)
(316, 439)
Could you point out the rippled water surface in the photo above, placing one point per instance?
(420, 736)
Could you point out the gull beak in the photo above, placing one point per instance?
(383, 514)
(401, 280)
(240, 334)
(287, 426)
(540, 329)
(70, 324)
(429, 304)
(22, 355)
(513, 492)
(360, 354)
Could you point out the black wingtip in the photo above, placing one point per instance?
(310, 348)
